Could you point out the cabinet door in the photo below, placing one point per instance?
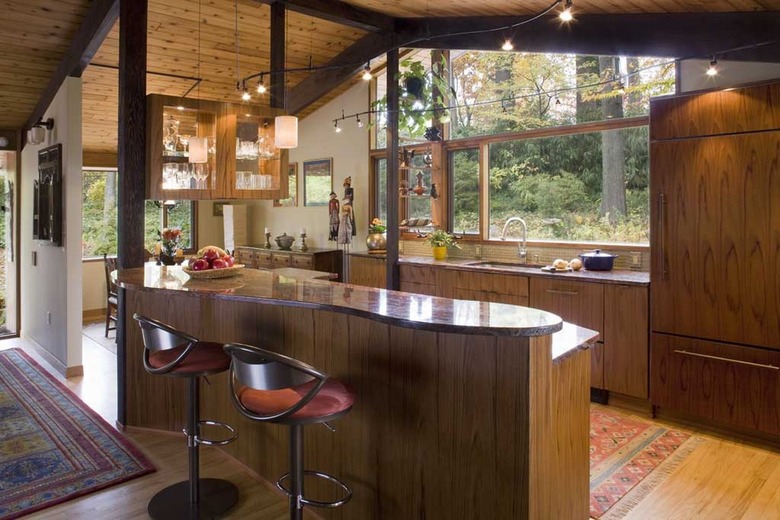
(730, 384)
(420, 280)
(625, 339)
(579, 303)
(369, 272)
(281, 260)
(715, 234)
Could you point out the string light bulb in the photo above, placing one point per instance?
(566, 15)
(507, 45)
(336, 127)
(261, 86)
(367, 73)
(713, 70)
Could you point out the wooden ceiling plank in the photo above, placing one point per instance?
(341, 13)
(97, 23)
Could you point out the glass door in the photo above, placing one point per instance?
(8, 215)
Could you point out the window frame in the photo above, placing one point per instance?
(163, 215)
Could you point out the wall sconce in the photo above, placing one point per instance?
(37, 134)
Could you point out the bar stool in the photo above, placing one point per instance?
(266, 386)
(173, 353)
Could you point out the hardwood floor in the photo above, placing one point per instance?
(721, 480)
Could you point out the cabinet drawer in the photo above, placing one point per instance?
(245, 256)
(579, 303)
(263, 259)
(302, 261)
(281, 260)
(729, 384)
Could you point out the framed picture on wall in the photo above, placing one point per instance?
(317, 182)
(292, 184)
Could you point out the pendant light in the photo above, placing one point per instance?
(285, 127)
(198, 147)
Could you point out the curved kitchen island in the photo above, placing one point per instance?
(464, 409)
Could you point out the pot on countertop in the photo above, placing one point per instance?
(597, 261)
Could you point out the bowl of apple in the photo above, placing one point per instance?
(212, 262)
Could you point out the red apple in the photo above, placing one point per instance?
(210, 255)
(228, 259)
(200, 265)
(190, 262)
(219, 263)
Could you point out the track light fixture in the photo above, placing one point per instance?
(507, 45)
(245, 95)
(566, 15)
(367, 73)
(261, 86)
(359, 122)
(336, 127)
(713, 70)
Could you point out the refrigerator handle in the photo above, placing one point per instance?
(662, 231)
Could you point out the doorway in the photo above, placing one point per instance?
(8, 216)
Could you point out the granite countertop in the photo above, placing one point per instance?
(295, 249)
(304, 274)
(392, 307)
(571, 338)
(616, 276)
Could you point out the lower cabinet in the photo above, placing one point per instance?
(619, 360)
(725, 383)
(367, 271)
(326, 260)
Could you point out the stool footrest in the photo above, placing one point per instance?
(317, 503)
(217, 442)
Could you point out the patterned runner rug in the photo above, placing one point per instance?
(53, 448)
(628, 458)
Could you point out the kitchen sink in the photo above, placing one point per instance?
(504, 264)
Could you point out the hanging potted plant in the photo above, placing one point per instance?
(421, 97)
(440, 240)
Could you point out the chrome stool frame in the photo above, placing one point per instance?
(260, 369)
(194, 498)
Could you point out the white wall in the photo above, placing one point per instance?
(54, 285)
(317, 140)
(693, 74)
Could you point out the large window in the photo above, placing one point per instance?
(581, 187)
(559, 140)
(99, 220)
(464, 175)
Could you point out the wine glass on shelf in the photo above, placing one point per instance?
(201, 174)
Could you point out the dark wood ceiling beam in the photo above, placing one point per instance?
(678, 35)
(278, 51)
(94, 28)
(345, 66)
(341, 13)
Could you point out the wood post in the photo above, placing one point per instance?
(393, 233)
(278, 36)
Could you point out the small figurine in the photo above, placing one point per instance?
(349, 195)
(333, 213)
(345, 230)
(434, 191)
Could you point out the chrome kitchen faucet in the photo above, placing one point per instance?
(522, 252)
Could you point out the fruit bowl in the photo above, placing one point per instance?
(211, 274)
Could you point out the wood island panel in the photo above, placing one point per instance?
(441, 425)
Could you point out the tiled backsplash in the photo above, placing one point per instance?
(635, 260)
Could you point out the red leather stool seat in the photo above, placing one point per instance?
(204, 358)
(333, 398)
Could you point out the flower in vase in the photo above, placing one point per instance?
(169, 239)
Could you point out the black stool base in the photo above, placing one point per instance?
(217, 496)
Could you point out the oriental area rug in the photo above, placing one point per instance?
(629, 457)
(53, 448)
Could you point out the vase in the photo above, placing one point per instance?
(167, 259)
(440, 252)
(376, 242)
